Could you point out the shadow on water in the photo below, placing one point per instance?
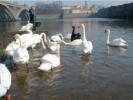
(116, 50)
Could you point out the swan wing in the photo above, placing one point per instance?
(52, 59)
(119, 40)
(2, 91)
(76, 42)
(5, 77)
(11, 47)
(21, 55)
(53, 46)
(45, 66)
(87, 47)
(68, 36)
(26, 27)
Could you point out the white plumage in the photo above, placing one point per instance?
(87, 45)
(21, 54)
(5, 80)
(11, 47)
(118, 42)
(51, 60)
(27, 27)
(76, 42)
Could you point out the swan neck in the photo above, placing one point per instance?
(43, 44)
(108, 38)
(44, 41)
(65, 42)
(84, 35)
(73, 30)
(20, 43)
(58, 51)
(30, 32)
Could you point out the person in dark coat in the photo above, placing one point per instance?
(32, 16)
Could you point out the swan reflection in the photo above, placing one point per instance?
(111, 50)
(20, 77)
(50, 76)
(88, 60)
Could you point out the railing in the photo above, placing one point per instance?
(11, 2)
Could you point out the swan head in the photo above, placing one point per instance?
(57, 38)
(82, 25)
(107, 31)
(16, 36)
(43, 34)
(61, 36)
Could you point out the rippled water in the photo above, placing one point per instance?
(105, 75)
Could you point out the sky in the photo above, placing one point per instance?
(105, 3)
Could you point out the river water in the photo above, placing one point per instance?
(105, 75)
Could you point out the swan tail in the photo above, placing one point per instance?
(45, 67)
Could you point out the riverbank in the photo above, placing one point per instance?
(65, 16)
(48, 16)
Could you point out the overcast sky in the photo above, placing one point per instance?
(105, 3)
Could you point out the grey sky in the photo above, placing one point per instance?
(79, 2)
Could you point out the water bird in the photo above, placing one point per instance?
(87, 45)
(73, 35)
(21, 54)
(27, 27)
(5, 80)
(51, 60)
(11, 47)
(118, 42)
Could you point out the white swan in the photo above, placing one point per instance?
(119, 42)
(87, 45)
(21, 54)
(11, 47)
(51, 60)
(57, 38)
(25, 39)
(68, 36)
(5, 80)
(38, 38)
(27, 27)
(76, 42)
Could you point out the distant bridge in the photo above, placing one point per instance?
(12, 12)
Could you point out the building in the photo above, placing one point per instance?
(76, 10)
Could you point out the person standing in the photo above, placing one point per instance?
(32, 16)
